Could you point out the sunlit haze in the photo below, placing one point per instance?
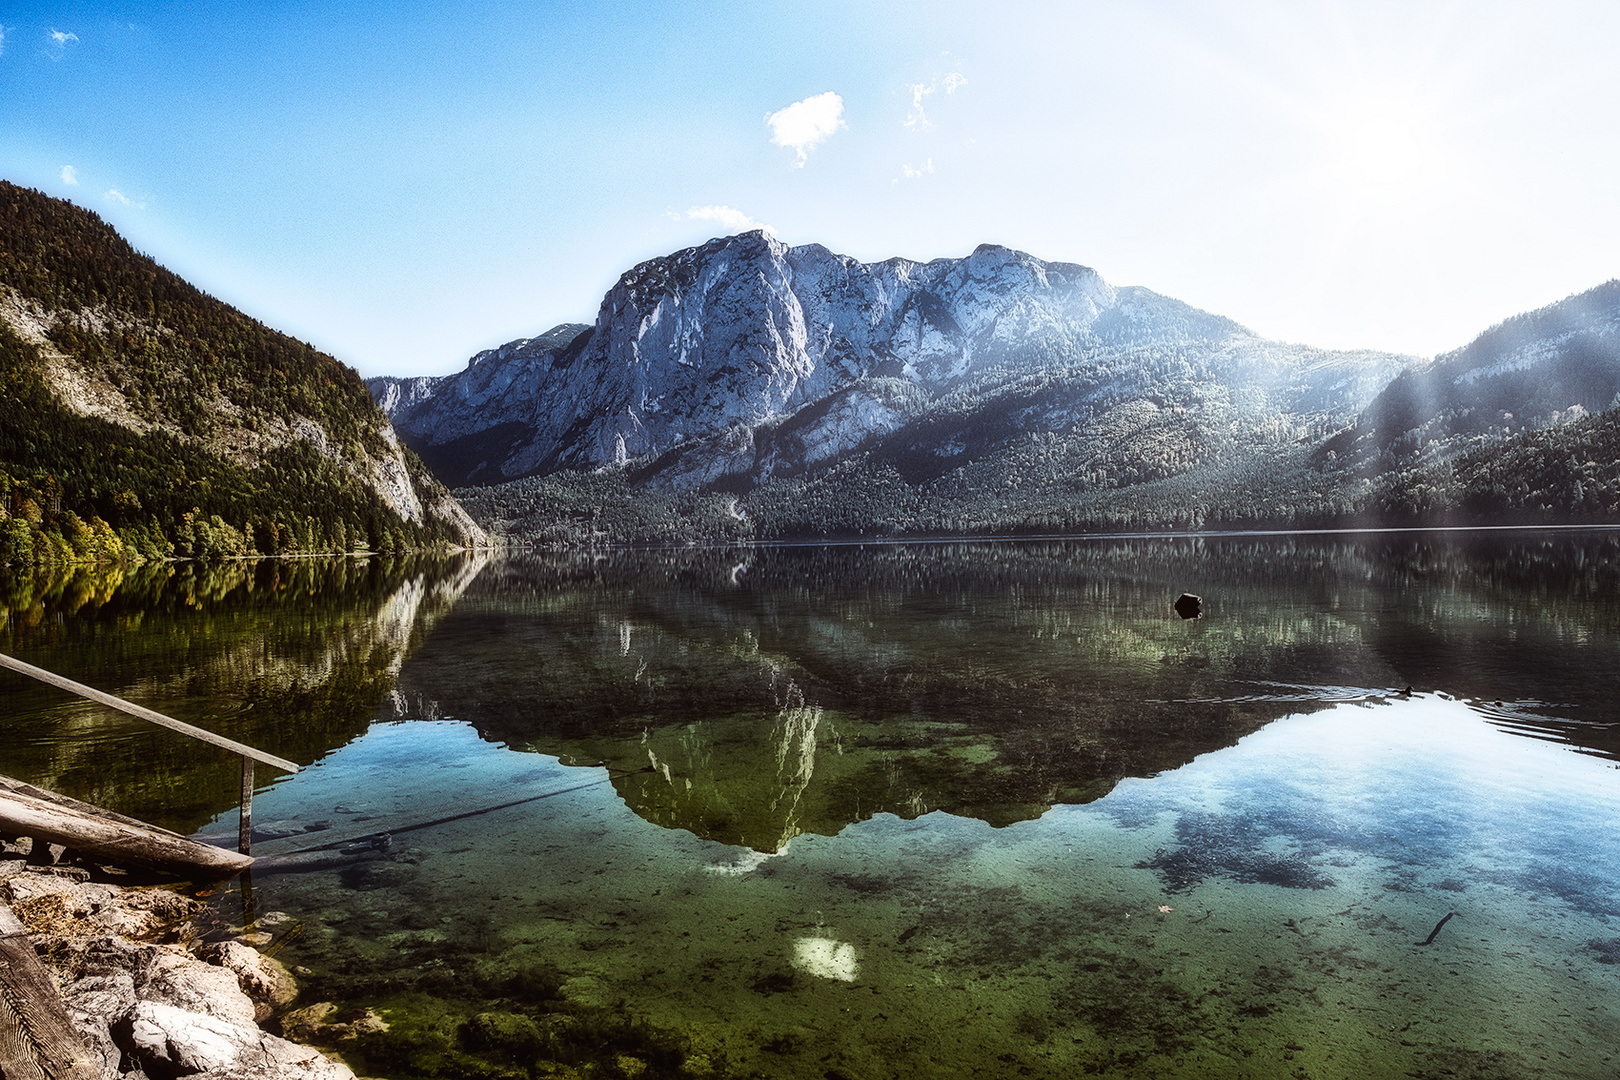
(403, 185)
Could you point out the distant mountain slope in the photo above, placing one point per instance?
(1545, 367)
(744, 362)
(138, 412)
(459, 423)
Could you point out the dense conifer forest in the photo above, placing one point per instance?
(1568, 474)
(197, 432)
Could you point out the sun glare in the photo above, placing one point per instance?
(1383, 149)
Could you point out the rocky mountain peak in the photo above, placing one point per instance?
(744, 357)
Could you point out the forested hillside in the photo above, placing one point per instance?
(1539, 369)
(1569, 474)
(142, 418)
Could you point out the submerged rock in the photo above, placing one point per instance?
(321, 1023)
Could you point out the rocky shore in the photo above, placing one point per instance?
(153, 996)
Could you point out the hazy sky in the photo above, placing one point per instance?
(404, 184)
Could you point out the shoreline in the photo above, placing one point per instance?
(151, 988)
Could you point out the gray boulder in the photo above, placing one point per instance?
(169, 1043)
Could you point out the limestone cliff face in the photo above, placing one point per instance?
(745, 358)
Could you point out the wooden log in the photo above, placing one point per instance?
(304, 861)
(421, 817)
(37, 1040)
(113, 838)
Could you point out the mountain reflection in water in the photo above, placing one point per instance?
(292, 656)
(752, 698)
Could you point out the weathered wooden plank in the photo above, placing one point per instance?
(37, 1040)
(119, 840)
(8, 783)
(244, 813)
(53, 679)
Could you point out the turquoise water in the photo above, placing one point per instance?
(1255, 912)
(974, 810)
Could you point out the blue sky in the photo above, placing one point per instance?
(405, 184)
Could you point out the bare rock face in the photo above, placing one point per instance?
(743, 359)
(157, 1011)
(742, 332)
(91, 908)
(262, 978)
(170, 1042)
(179, 979)
(90, 1002)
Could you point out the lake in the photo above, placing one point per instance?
(921, 810)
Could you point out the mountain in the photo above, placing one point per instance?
(1543, 368)
(748, 367)
(744, 389)
(140, 416)
(459, 423)
(1520, 426)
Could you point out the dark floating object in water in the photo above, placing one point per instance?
(1189, 606)
(1436, 931)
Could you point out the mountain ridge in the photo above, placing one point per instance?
(994, 403)
(742, 359)
(1540, 368)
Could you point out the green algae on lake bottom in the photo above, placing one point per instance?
(941, 946)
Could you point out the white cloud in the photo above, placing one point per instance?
(732, 219)
(908, 173)
(57, 42)
(70, 175)
(917, 118)
(2, 41)
(114, 195)
(805, 125)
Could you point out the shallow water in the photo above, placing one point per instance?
(935, 810)
(1256, 912)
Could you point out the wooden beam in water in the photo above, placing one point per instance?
(244, 813)
(37, 1040)
(393, 824)
(113, 838)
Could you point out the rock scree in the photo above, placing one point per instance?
(148, 998)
